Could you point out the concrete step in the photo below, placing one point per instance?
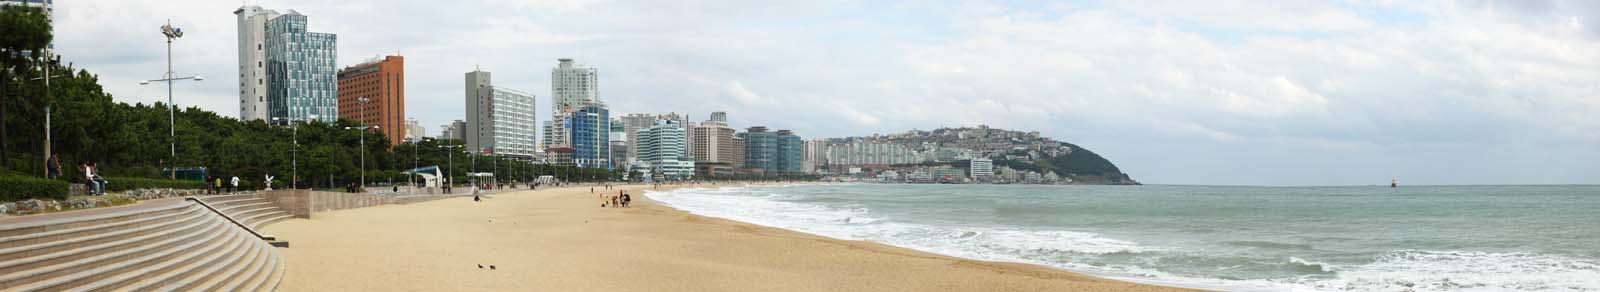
(54, 241)
(163, 247)
(241, 214)
(181, 258)
(18, 267)
(39, 226)
(248, 273)
(214, 261)
(251, 219)
(277, 276)
(68, 275)
(276, 216)
(230, 204)
(235, 208)
(261, 276)
(215, 199)
(221, 274)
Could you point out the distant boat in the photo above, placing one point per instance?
(1394, 183)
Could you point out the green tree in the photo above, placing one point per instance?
(24, 32)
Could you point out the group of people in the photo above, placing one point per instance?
(91, 174)
(620, 200)
(215, 185)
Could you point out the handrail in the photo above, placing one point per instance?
(230, 219)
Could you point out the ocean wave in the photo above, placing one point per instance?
(1269, 244)
(1317, 267)
(1404, 270)
(1417, 270)
(859, 223)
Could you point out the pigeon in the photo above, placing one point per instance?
(480, 266)
(491, 267)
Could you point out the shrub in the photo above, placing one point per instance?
(17, 188)
(118, 184)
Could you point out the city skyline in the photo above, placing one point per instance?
(1331, 93)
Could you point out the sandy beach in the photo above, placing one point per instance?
(562, 240)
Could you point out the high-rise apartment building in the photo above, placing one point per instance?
(557, 143)
(382, 83)
(590, 136)
(285, 72)
(479, 109)
(500, 121)
(872, 153)
(790, 158)
(253, 61)
(713, 140)
(738, 152)
(759, 148)
(774, 153)
(816, 155)
(572, 86)
(631, 124)
(661, 151)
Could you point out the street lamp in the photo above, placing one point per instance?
(46, 78)
(171, 32)
(294, 162)
(363, 152)
(450, 163)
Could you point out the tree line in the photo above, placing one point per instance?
(133, 140)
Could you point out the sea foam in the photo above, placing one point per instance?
(1402, 270)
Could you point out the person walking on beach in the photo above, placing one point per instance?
(626, 199)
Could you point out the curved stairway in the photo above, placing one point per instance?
(173, 247)
(252, 210)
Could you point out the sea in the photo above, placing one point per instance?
(1233, 238)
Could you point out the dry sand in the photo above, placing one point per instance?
(561, 240)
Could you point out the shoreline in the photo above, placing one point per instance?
(657, 203)
(560, 239)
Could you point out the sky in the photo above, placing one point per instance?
(1351, 92)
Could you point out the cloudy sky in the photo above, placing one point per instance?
(1174, 92)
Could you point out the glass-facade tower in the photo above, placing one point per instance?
(301, 77)
(591, 131)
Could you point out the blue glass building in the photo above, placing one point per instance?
(590, 128)
(301, 76)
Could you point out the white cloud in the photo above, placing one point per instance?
(1252, 82)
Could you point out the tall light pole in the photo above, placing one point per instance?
(363, 152)
(48, 62)
(294, 160)
(171, 33)
(450, 162)
(46, 78)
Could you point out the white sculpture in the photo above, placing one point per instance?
(269, 182)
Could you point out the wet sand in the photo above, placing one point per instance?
(562, 240)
